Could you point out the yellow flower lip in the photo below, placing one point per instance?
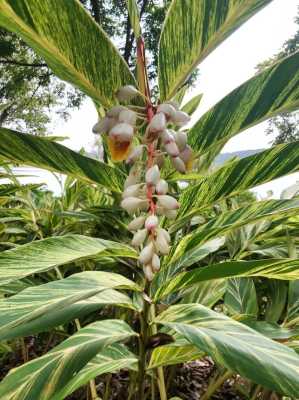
(119, 149)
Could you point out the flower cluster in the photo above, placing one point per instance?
(146, 195)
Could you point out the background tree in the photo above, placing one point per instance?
(285, 125)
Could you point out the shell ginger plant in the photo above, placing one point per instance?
(169, 278)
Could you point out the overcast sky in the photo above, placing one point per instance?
(227, 67)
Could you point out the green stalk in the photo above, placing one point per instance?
(160, 372)
(216, 384)
(142, 350)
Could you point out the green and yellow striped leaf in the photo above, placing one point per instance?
(38, 152)
(267, 94)
(45, 377)
(49, 253)
(236, 347)
(191, 106)
(8, 189)
(206, 293)
(240, 175)
(230, 220)
(285, 269)
(185, 260)
(240, 296)
(110, 359)
(134, 17)
(39, 307)
(292, 316)
(72, 44)
(192, 29)
(178, 352)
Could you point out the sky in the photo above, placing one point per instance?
(232, 63)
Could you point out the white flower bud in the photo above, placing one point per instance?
(167, 109)
(172, 149)
(135, 154)
(181, 140)
(166, 136)
(178, 164)
(132, 191)
(122, 132)
(132, 204)
(187, 154)
(161, 244)
(157, 124)
(127, 116)
(152, 175)
(115, 111)
(126, 93)
(139, 237)
(155, 263)
(151, 222)
(174, 104)
(162, 187)
(147, 269)
(104, 125)
(180, 118)
(146, 254)
(168, 202)
(133, 177)
(164, 233)
(136, 223)
(170, 214)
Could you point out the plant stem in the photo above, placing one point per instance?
(142, 349)
(255, 392)
(216, 384)
(160, 372)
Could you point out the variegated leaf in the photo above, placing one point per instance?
(45, 254)
(45, 377)
(240, 175)
(38, 308)
(287, 269)
(273, 91)
(72, 44)
(236, 347)
(191, 106)
(38, 152)
(110, 359)
(206, 293)
(192, 29)
(180, 351)
(240, 296)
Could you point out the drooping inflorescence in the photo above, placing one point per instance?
(146, 194)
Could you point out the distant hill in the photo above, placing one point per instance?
(223, 157)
